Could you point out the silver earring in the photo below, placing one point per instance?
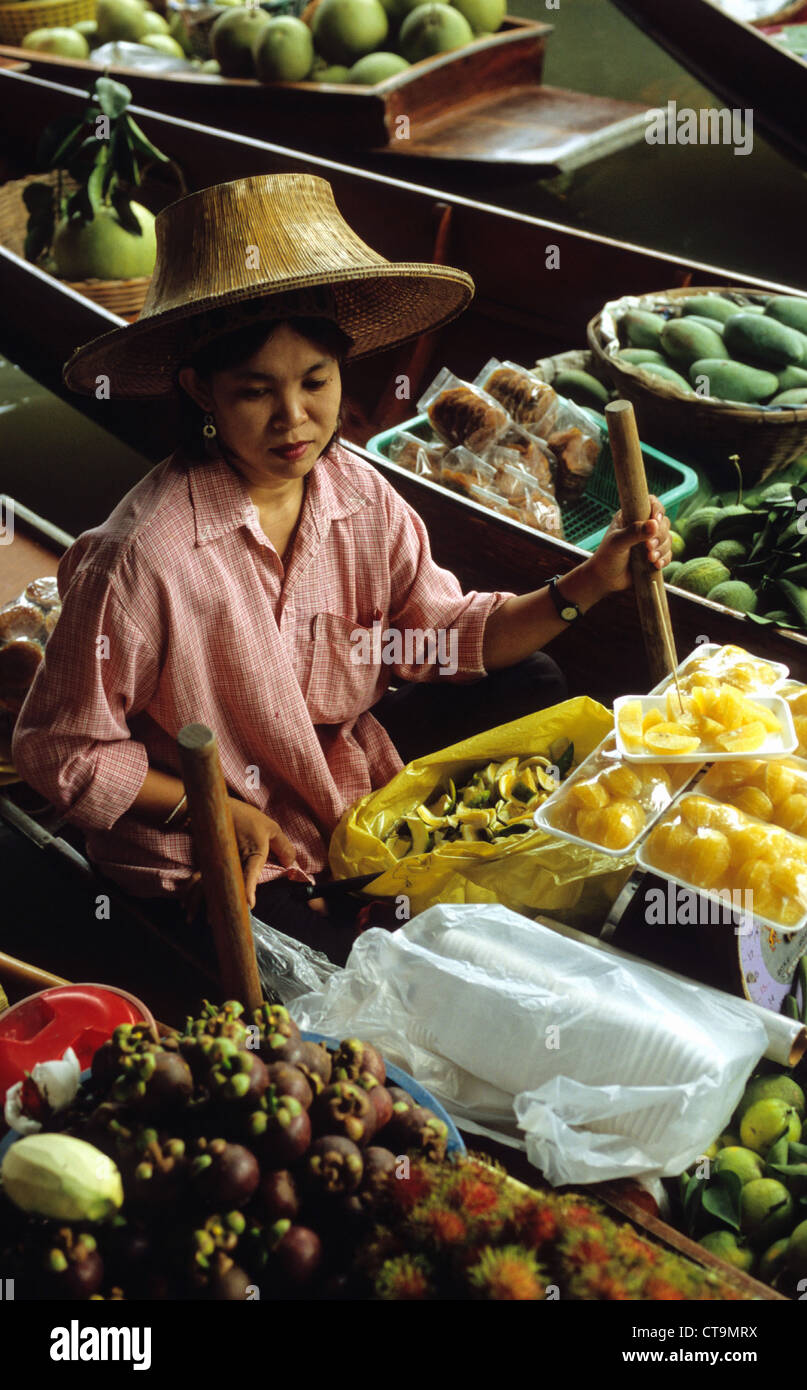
(209, 427)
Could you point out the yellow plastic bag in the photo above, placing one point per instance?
(529, 873)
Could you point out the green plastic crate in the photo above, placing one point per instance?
(586, 520)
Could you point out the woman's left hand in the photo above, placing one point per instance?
(611, 559)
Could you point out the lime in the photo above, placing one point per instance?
(766, 1211)
(773, 1260)
(766, 1121)
(744, 1162)
(796, 1253)
(731, 1248)
(780, 1087)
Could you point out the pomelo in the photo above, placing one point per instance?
(344, 30)
(337, 72)
(766, 1211)
(155, 24)
(744, 1162)
(88, 28)
(376, 67)
(103, 249)
(730, 1248)
(233, 38)
(432, 29)
(766, 1121)
(484, 16)
(284, 51)
(163, 43)
(120, 21)
(64, 42)
(772, 1088)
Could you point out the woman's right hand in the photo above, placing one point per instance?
(257, 837)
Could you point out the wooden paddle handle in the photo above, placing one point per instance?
(634, 500)
(219, 863)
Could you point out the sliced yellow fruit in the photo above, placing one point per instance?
(800, 725)
(797, 701)
(754, 802)
(667, 844)
(791, 813)
(653, 717)
(630, 724)
(590, 794)
(622, 781)
(620, 823)
(745, 739)
(707, 858)
(669, 739)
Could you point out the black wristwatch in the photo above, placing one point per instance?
(567, 609)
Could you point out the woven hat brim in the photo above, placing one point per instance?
(380, 307)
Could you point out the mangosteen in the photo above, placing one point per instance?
(286, 1080)
(128, 1040)
(220, 1234)
(228, 1282)
(279, 1132)
(333, 1166)
(344, 1108)
(354, 1057)
(315, 1061)
(239, 1079)
(297, 1255)
(401, 1098)
(380, 1099)
(379, 1169)
(159, 1174)
(154, 1083)
(223, 1174)
(73, 1267)
(279, 1034)
(277, 1196)
(417, 1129)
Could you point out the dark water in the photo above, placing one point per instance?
(747, 213)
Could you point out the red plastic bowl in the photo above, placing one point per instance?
(42, 1027)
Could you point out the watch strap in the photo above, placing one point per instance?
(567, 609)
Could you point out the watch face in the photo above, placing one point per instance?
(568, 614)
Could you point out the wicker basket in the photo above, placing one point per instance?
(796, 10)
(122, 297)
(17, 20)
(695, 429)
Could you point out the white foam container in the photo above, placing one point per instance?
(711, 894)
(775, 745)
(710, 649)
(608, 745)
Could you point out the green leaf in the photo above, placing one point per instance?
(122, 204)
(693, 1201)
(55, 139)
(722, 1199)
(113, 97)
(122, 158)
(143, 145)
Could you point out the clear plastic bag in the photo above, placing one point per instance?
(463, 414)
(530, 403)
(420, 456)
(288, 968)
(613, 1068)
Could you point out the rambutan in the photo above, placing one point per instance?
(660, 1290)
(510, 1274)
(437, 1226)
(406, 1278)
(408, 1192)
(474, 1195)
(534, 1223)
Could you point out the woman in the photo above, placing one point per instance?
(234, 586)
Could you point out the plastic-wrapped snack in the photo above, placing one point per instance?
(25, 625)
(461, 470)
(494, 501)
(772, 789)
(577, 458)
(419, 456)
(610, 802)
(542, 512)
(530, 402)
(519, 447)
(730, 665)
(463, 414)
(795, 696)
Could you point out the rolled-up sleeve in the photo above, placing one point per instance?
(71, 740)
(427, 602)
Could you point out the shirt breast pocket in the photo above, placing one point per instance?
(347, 675)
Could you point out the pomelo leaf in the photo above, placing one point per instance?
(143, 146)
(722, 1198)
(113, 97)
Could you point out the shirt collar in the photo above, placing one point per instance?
(221, 500)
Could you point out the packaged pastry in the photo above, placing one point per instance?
(461, 470)
(518, 447)
(577, 456)
(463, 414)
(25, 625)
(419, 456)
(529, 402)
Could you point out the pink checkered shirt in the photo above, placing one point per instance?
(177, 610)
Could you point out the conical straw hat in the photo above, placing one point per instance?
(241, 247)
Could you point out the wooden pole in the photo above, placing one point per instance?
(219, 864)
(11, 968)
(635, 503)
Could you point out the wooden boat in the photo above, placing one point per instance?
(481, 104)
(521, 311)
(738, 61)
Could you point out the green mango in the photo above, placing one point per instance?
(791, 378)
(582, 388)
(637, 355)
(654, 369)
(792, 398)
(642, 329)
(789, 310)
(686, 341)
(734, 381)
(714, 325)
(764, 341)
(712, 306)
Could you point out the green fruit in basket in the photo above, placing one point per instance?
(641, 328)
(636, 355)
(796, 1252)
(88, 28)
(582, 388)
(780, 1087)
(58, 1176)
(163, 43)
(376, 67)
(768, 1120)
(727, 1140)
(714, 325)
(66, 43)
(120, 21)
(677, 544)
(665, 374)
(789, 310)
(686, 341)
(700, 575)
(431, 29)
(766, 1211)
(732, 381)
(712, 306)
(696, 526)
(791, 398)
(232, 40)
(155, 24)
(744, 1162)
(283, 51)
(729, 552)
(484, 16)
(211, 67)
(103, 249)
(344, 30)
(336, 73)
(763, 340)
(773, 1260)
(791, 378)
(671, 570)
(729, 1247)
(733, 593)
